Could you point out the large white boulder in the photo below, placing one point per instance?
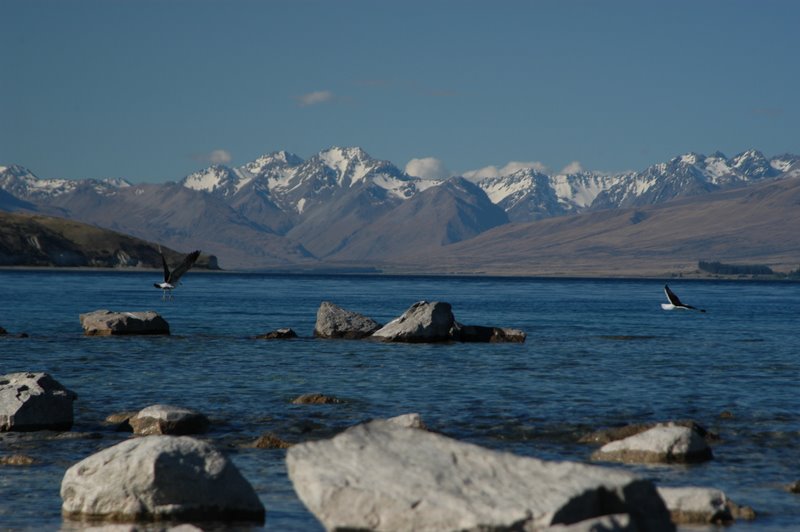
(423, 322)
(34, 401)
(106, 323)
(665, 443)
(382, 476)
(157, 478)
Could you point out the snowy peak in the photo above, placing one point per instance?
(753, 165)
(217, 179)
(352, 165)
(275, 161)
(22, 183)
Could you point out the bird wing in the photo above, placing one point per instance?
(183, 267)
(166, 268)
(672, 297)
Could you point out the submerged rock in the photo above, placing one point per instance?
(16, 460)
(660, 444)
(422, 322)
(34, 401)
(158, 478)
(315, 399)
(335, 322)
(107, 323)
(167, 419)
(270, 441)
(278, 334)
(380, 476)
(604, 436)
(480, 333)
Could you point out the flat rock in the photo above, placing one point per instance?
(106, 323)
(698, 506)
(423, 322)
(168, 419)
(284, 333)
(661, 444)
(159, 478)
(607, 435)
(380, 476)
(34, 401)
(335, 322)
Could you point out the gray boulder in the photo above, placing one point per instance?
(284, 333)
(34, 401)
(167, 419)
(666, 443)
(381, 476)
(422, 322)
(106, 323)
(159, 478)
(701, 506)
(335, 322)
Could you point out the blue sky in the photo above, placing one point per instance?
(152, 90)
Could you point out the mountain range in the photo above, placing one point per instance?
(342, 208)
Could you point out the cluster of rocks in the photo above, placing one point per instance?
(423, 322)
(381, 475)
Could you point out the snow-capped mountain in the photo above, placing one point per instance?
(341, 203)
(23, 184)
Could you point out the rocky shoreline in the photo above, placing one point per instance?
(394, 474)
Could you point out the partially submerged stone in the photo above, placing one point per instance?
(607, 435)
(34, 401)
(480, 333)
(284, 333)
(380, 476)
(168, 419)
(335, 322)
(699, 506)
(315, 399)
(106, 323)
(159, 478)
(423, 322)
(661, 444)
(271, 441)
(16, 460)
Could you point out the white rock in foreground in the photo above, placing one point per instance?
(34, 401)
(380, 476)
(158, 478)
(660, 444)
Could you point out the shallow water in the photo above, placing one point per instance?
(599, 353)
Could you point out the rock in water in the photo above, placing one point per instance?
(107, 323)
(167, 419)
(34, 401)
(422, 322)
(158, 478)
(381, 476)
(335, 322)
(661, 444)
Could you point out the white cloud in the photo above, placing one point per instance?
(220, 157)
(508, 169)
(314, 98)
(572, 168)
(427, 168)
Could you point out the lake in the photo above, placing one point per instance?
(599, 353)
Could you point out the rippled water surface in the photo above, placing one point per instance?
(599, 353)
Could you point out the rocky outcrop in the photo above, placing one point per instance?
(167, 419)
(335, 322)
(278, 334)
(106, 323)
(701, 506)
(422, 322)
(34, 401)
(380, 476)
(159, 478)
(661, 444)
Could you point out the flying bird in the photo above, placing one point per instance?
(171, 277)
(675, 302)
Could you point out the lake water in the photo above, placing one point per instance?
(599, 353)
